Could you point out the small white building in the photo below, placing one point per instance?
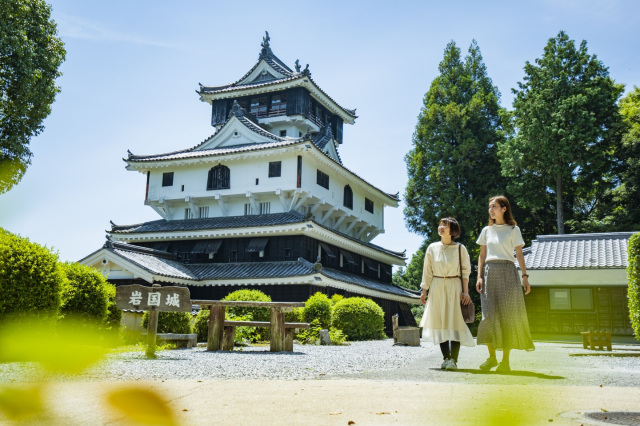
(265, 202)
(578, 283)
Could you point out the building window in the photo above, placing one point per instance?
(233, 256)
(323, 179)
(288, 253)
(283, 133)
(258, 106)
(571, 299)
(188, 214)
(278, 104)
(368, 205)
(348, 197)
(219, 178)
(167, 179)
(203, 212)
(265, 208)
(248, 210)
(275, 168)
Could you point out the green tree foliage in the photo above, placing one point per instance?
(359, 318)
(318, 307)
(30, 55)
(563, 155)
(627, 214)
(453, 166)
(170, 322)
(86, 293)
(411, 277)
(31, 278)
(201, 325)
(633, 292)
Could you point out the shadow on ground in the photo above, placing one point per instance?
(519, 373)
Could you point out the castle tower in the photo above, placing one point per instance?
(265, 202)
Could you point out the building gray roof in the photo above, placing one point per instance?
(232, 222)
(579, 251)
(224, 222)
(166, 265)
(267, 55)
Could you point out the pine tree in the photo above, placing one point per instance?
(453, 167)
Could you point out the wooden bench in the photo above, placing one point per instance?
(180, 340)
(281, 338)
(598, 339)
(229, 334)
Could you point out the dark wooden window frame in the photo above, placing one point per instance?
(322, 179)
(167, 179)
(348, 197)
(368, 205)
(219, 178)
(275, 169)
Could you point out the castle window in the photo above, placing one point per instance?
(348, 197)
(203, 212)
(188, 214)
(219, 178)
(368, 205)
(265, 208)
(278, 104)
(275, 168)
(570, 299)
(283, 133)
(167, 179)
(248, 210)
(323, 179)
(258, 106)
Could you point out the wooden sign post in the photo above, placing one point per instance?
(153, 299)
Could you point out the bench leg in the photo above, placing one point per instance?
(592, 340)
(216, 324)
(288, 339)
(229, 338)
(608, 341)
(585, 339)
(277, 330)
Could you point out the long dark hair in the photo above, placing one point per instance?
(508, 215)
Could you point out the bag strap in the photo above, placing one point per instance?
(460, 263)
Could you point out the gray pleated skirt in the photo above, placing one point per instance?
(504, 322)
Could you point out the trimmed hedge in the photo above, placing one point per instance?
(30, 278)
(633, 272)
(318, 307)
(86, 294)
(201, 325)
(170, 322)
(359, 318)
(257, 314)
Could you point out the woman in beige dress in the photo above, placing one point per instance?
(442, 323)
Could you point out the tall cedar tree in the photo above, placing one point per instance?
(30, 55)
(453, 167)
(567, 130)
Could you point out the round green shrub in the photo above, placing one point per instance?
(318, 307)
(201, 325)
(30, 278)
(336, 298)
(85, 296)
(359, 318)
(295, 315)
(257, 314)
(170, 322)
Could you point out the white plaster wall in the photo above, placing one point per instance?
(577, 277)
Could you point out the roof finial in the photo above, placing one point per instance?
(297, 65)
(266, 50)
(306, 71)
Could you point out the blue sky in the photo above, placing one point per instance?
(132, 69)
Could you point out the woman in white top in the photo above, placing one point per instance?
(504, 324)
(446, 264)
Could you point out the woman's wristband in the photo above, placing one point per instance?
(525, 275)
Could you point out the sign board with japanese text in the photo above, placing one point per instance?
(143, 298)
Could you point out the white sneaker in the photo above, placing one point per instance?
(451, 366)
(444, 364)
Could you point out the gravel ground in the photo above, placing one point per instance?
(550, 363)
